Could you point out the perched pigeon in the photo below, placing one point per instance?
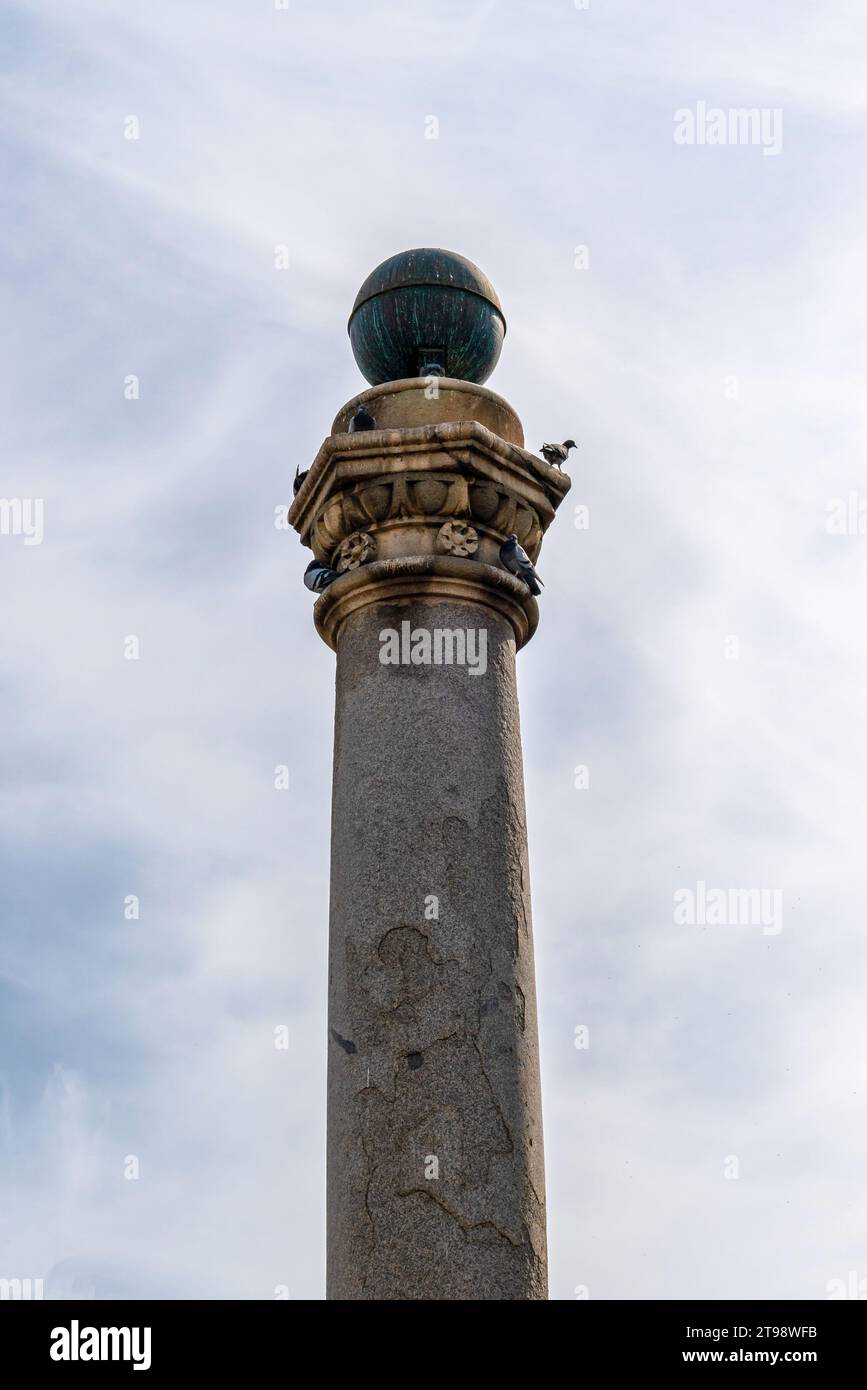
(518, 562)
(361, 420)
(318, 576)
(298, 480)
(557, 454)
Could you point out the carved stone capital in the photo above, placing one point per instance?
(400, 486)
(448, 492)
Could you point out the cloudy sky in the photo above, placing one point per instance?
(702, 650)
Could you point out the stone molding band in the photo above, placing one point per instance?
(427, 577)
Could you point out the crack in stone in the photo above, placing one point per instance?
(417, 931)
(465, 1226)
(371, 1171)
(499, 1109)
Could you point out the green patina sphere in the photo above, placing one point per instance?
(426, 312)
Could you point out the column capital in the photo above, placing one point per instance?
(422, 511)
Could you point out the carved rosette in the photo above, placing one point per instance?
(358, 549)
(457, 538)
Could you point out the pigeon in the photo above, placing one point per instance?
(557, 454)
(298, 480)
(517, 561)
(361, 420)
(318, 576)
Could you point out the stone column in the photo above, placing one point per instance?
(435, 1157)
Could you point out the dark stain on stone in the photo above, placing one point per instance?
(414, 1059)
(520, 1008)
(345, 1043)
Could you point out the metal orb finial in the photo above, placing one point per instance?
(426, 312)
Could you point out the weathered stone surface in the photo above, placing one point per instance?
(432, 1022)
